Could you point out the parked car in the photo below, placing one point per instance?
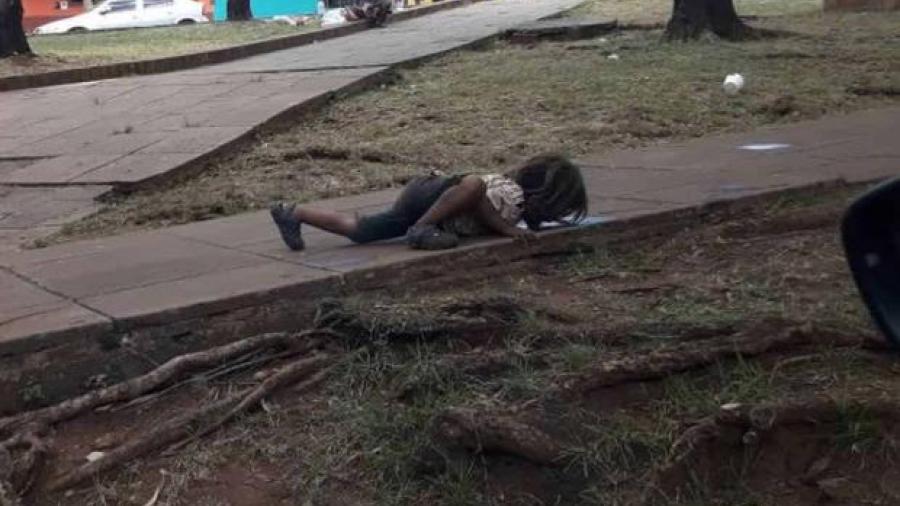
(116, 14)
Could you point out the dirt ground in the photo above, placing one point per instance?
(730, 362)
(486, 110)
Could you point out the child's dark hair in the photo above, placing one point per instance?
(554, 190)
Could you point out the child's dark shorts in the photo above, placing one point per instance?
(415, 200)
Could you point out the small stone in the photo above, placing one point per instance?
(95, 456)
(750, 438)
(837, 488)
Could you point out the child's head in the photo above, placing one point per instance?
(554, 190)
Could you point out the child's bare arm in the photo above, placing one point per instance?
(490, 217)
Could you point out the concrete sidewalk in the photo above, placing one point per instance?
(114, 285)
(131, 131)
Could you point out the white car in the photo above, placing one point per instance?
(116, 14)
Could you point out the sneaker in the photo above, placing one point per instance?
(283, 216)
(429, 237)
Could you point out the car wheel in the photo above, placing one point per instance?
(184, 22)
(77, 29)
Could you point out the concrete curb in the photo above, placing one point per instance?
(188, 61)
(62, 362)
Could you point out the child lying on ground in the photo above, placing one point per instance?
(434, 211)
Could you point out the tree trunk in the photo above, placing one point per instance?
(690, 18)
(12, 36)
(238, 10)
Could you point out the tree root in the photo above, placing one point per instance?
(661, 363)
(17, 476)
(739, 426)
(195, 424)
(480, 432)
(166, 373)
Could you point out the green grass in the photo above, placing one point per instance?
(743, 382)
(57, 52)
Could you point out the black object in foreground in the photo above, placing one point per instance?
(871, 235)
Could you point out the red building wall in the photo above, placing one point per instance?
(38, 12)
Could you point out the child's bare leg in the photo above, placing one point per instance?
(288, 220)
(330, 221)
(455, 200)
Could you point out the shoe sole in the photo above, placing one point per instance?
(295, 244)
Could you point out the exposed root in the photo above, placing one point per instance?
(193, 425)
(8, 495)
(481, 432)
(166, 373)
(17, 475)
(664, 362)
(736, 427)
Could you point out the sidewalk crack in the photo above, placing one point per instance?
(61, 295)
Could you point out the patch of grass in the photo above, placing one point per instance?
(459, 485)
(743, 382)
(614, 447)
(693, 308)
(522, 381)
(858, 430)
(485, 111)
(57, 52)
(613, 261)
(576, 357)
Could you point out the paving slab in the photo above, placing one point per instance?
(211, 292)
(137, 130)
(30, 312)
(29, 213)
(122, 263)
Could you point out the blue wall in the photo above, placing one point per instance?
(269, 8)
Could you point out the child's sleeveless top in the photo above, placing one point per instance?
(504, 194)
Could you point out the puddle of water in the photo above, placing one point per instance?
(586, 222)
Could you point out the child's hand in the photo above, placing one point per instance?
(522, 234)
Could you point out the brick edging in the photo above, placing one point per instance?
(192, 60)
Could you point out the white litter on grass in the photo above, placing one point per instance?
(95, 456)
(333, 17)
(764, 146)
(613, 57)
(733, 84)
(290, 20)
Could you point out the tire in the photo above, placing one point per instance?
(77, 29)
(186, 22)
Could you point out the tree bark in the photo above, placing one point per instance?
(238, 10)
(690, 18)
(12, 35)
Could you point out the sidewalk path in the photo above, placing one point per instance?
(129, 131)
(208, 267)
